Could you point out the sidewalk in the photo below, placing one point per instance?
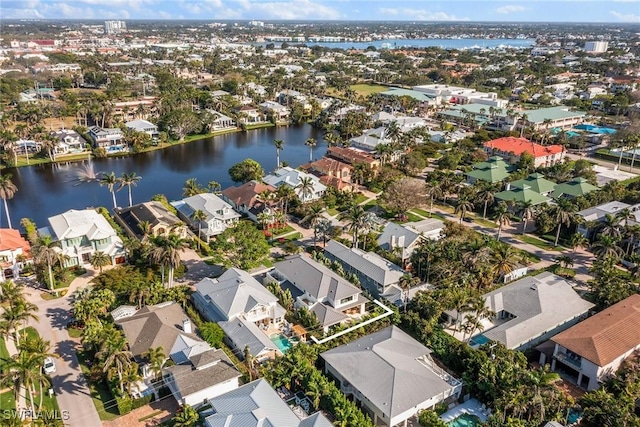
(13, 351)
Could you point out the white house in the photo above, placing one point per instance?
(219, 214)
(144, 126)
(407, 237)
(69, 142)
(593, 350)
(293, 178)
(391, 375)
(111, 139)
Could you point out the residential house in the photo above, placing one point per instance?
(391, 376)
(82, 233)
(533, 189)
(573, 189)
(27, 147)
(257, 404)
(462, 95)
(598, 213)
(161, 221)
(219, 215)
(15, 253)
(111, 139)
(405, 123)
(527, 312)
(494, 170)
(69, 142)
(245, 198)
(293, 178)
(424, 100)
(143, 108)
(243, 308)
(330, 167)
(512, 148)
(370, 139)
(220, 121)
(325, 293)
(198, 371)
(376, 274)
(593, 350)
(248, 114)
(141, 125)
(354, 157)
(405, 238)
(280, 113)
(540, 120)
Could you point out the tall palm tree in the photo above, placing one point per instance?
(279, 144)
(214, 187)
(355, 220)
(607, 246)
(324, 228)
(167, 253)
(464, 205)
(433, 191)
(199, 216)
(486, 195)
(128, 180)
(406, 282)
(99, 260)
(191, 188)
(305, 188)
(311, 142)
(502, 217)
(40, 349)
(7, 191)
(578, 240)
(503, 259)
(562, 213)
(285, 194)
(313, 216)
(156, 359)
(48, 251)
(527, 213)
(110, 180)
(15, 316)
(114, 353)
(22, 371)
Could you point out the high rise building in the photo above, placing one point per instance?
(596, 47)
(114, 27)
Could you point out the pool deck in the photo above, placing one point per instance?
(471, 406)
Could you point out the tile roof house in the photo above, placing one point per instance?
(15, 253)
(391, 375)
(257, 404)
(493, 170)
(219, 214)
(199, 371)
(331, 297)
(161, 220)
(241, 306)
(595, 348)
(573, 189)
(376, 274)
(528, 311)
(81, 233)
(292, 178)
(244, 198)
(511, 148)
(331, 167)
(353, 157)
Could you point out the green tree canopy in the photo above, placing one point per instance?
(245, 171)
(242, 246)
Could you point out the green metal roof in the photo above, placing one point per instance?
(553, 113)
(574, 188)
(493, 170)
(419, 96)
(521, 195)
(537, 182)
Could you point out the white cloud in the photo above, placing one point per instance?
(511, 8)
(301, 9)
(625, 17)
(418, 14)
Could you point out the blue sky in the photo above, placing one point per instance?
(404, 10)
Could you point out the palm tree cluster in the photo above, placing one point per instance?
(128, 180)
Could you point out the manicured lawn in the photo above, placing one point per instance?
(4, 353)
(29, 331)
(365, 89)
(361, 198)
(280, 231)
(99, 393)
(542, 244)
(7, 400)
(333, 211)
(48, 403)
(260, 126)
(485, 223)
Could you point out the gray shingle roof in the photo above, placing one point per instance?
(386, 369)
(213, 206)
(244, 333)
(327, 315)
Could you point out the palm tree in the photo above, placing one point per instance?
(16, 315)
(48, 251)
(156, 359)
(279, 144)
(214, 186)
(503, 259)
(199, 216)
(22, 371)
(312, 218)
(406, 282)
(127, 180)
(355, 220)
(189, 417)
(578, 240)
(609, 226)
(167, 253)
(311, 142)
(607, 246)
(7, 191)
(464, 205)
(110, 180)
(486, 195)
(114, 353)
(305, 188)
(562, 212)
(40, 349)
(324, 228)
(434, 191)
(99, 260)
(191, 188)
(502, 217)
(527, 213)
(285, 194)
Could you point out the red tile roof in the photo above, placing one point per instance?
(518, 146)
(11, 240)
(350, 156)
(246, 193)
(607, 335)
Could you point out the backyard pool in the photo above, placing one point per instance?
(466, 420)
(282, 342)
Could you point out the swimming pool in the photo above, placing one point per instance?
(282, 342)
(595, 129)
(466, 420)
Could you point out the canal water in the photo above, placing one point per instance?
(48, 190)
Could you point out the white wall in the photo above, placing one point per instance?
(198, 398)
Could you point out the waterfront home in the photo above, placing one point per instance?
(197, 372)
(354, 157)
(160, 220)
(376, 274)
(280, 113)
(26, 146)
(391, 376)
(527, 312)
(15, 253)
(144, 126)
(248, 114)
(245, 198)
(325, 293)
(69, 142)
(257, 404)
(221, 122)
(405, 123)
(593, 350)
(111, 139)
(219, 215)
(82, 233)
(405, 238)
(243, 308)
(512, 148)
(293, 178)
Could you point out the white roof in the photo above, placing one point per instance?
(292, 178)
(77, 223)
(139, 124)
(213, 206)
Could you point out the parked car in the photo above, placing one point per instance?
(49, 366)
(467, 219)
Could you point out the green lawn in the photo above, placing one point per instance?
(366, 89)
(280, 231)
(485, 222)
(99, 393)
(48, 403)
(4, 353)
(360, 198)
(29, 331)
(7, 400)
(333, 211)
(542, 244)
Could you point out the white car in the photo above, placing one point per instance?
(49, 366)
